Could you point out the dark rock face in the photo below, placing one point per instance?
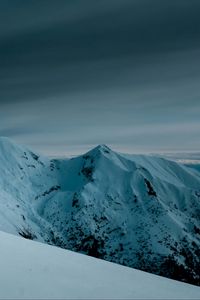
(27, 234)
(150, 191)
(102, 246)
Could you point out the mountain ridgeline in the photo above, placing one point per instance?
(135, 210)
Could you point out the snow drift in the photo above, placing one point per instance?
(31, 270)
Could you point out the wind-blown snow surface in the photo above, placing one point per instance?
(31, 270)
(139, 211)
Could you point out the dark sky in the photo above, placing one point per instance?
(76, 73)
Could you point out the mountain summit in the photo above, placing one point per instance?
(139, 211)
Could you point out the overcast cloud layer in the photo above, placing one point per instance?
(76, 73)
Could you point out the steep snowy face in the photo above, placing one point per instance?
(24, 178)
(139, 211)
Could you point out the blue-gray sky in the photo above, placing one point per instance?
(76, 73)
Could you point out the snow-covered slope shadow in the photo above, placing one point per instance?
(139, 211)
(31, 270)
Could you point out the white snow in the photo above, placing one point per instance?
(32, 270)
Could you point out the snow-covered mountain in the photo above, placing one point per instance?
(31, 270)
(139, 211)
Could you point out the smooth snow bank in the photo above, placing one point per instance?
(34, 270)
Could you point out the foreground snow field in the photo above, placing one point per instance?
(34, 270)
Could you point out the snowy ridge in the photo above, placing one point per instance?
(139, 211)
(33, 270)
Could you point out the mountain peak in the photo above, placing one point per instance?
(102, 149)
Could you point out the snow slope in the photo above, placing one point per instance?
(139, 211)
(31, 270)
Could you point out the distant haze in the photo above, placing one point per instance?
(125, 73)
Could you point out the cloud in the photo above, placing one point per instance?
(84, 73)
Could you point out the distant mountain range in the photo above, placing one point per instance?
(136, 210)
